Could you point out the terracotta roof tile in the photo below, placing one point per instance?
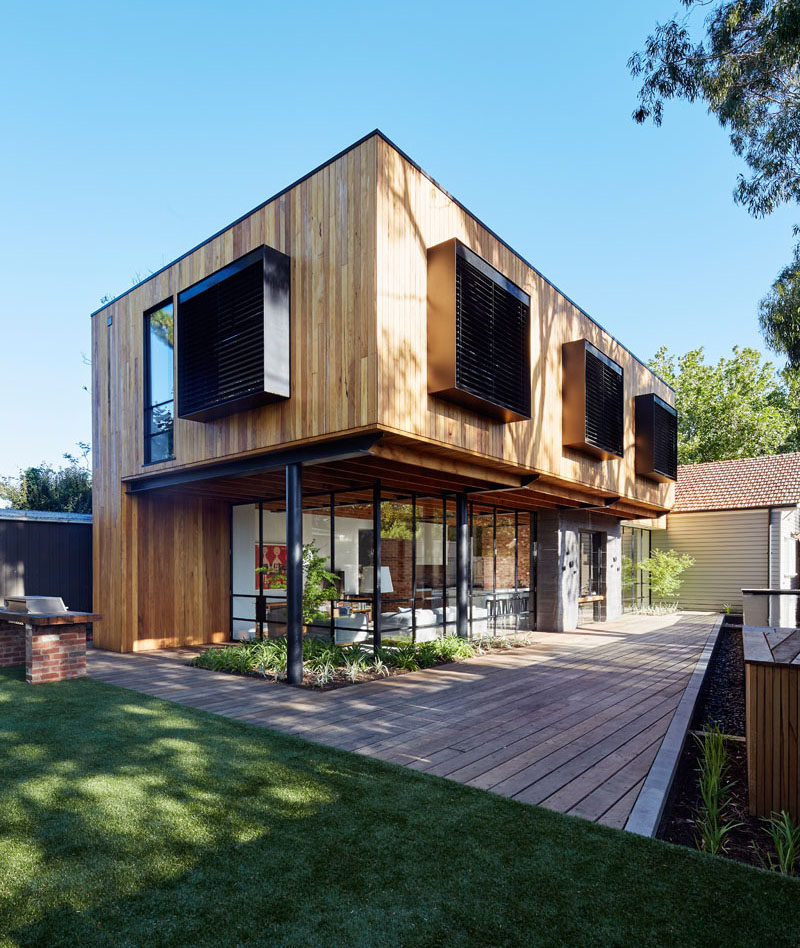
(771, 481)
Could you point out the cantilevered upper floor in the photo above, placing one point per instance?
(365, 299)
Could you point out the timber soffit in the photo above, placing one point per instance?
(377, 132)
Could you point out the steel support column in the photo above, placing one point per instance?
(376, 567)
(294, 573)
(462, 566)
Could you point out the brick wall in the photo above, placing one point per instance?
(12, 644)
(55, 656)
(505, 554)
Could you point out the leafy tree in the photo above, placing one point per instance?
(738, 408)
(396, 521)
(66, 490)
(745, 69)
(664, 568)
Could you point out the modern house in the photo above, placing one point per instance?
(361, 365)
(740, 520)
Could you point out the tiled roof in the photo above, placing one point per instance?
(772, 481)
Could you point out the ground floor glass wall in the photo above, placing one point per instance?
(413, 560)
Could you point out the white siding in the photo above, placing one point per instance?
(730, 552)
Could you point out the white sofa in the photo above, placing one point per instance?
(349, 629)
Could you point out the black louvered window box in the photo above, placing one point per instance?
(593, 410)
(656, 438)
(222, 324)
(478, 335)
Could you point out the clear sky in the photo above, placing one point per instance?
(132, 131)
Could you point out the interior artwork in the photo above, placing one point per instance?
(273, 560)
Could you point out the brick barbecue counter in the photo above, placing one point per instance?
(51, 646)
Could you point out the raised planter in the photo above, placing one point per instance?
(772, 688)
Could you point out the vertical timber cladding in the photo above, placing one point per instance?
(415, 215)
(326, 224)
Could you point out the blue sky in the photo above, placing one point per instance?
(131, 132)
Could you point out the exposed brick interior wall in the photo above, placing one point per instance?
(55, 656)
(12, 644)
(505, 555)
(396, 554)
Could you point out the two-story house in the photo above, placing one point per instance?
(359, 368)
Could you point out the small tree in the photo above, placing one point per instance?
(319, 586)
(664, 568)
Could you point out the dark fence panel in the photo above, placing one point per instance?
(47, 558)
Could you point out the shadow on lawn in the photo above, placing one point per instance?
(128, 820)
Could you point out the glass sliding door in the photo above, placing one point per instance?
(635, 581)
(398, 535)
(482, 571)
(353, 558)
(258, 598)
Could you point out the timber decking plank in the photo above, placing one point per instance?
(573, 720)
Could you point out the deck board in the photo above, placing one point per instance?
(571, 722)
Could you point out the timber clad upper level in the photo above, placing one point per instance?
(357, 233)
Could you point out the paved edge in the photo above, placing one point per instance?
(649, 807)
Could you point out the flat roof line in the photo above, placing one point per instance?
(378, 133)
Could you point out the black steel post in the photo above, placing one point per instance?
(332, 560)
(294, 574)
(376, 566)
(462, 566)
(260, 604)
(414, 568)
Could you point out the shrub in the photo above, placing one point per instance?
(664, 567)
(712, 827)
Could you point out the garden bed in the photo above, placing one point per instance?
(327, 666)
(721, 702)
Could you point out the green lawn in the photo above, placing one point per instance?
(125, 820)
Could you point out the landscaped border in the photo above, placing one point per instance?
(649, 807)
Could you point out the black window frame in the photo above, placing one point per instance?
(149, 406)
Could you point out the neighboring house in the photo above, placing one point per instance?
(740, 520)
(359, 363)
(47, 554)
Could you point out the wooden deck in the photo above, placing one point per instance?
(572, 722)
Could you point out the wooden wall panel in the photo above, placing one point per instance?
(773, 738)
(415, 214)
(357, 232)
(326, 224)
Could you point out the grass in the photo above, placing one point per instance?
(125, 820)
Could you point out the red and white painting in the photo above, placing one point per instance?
(273, 560)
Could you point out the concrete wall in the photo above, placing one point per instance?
(558, 567)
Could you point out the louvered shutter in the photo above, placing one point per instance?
(665, 441)
(656, 438)
(492, 341)
(604, 404)
(221, 333)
